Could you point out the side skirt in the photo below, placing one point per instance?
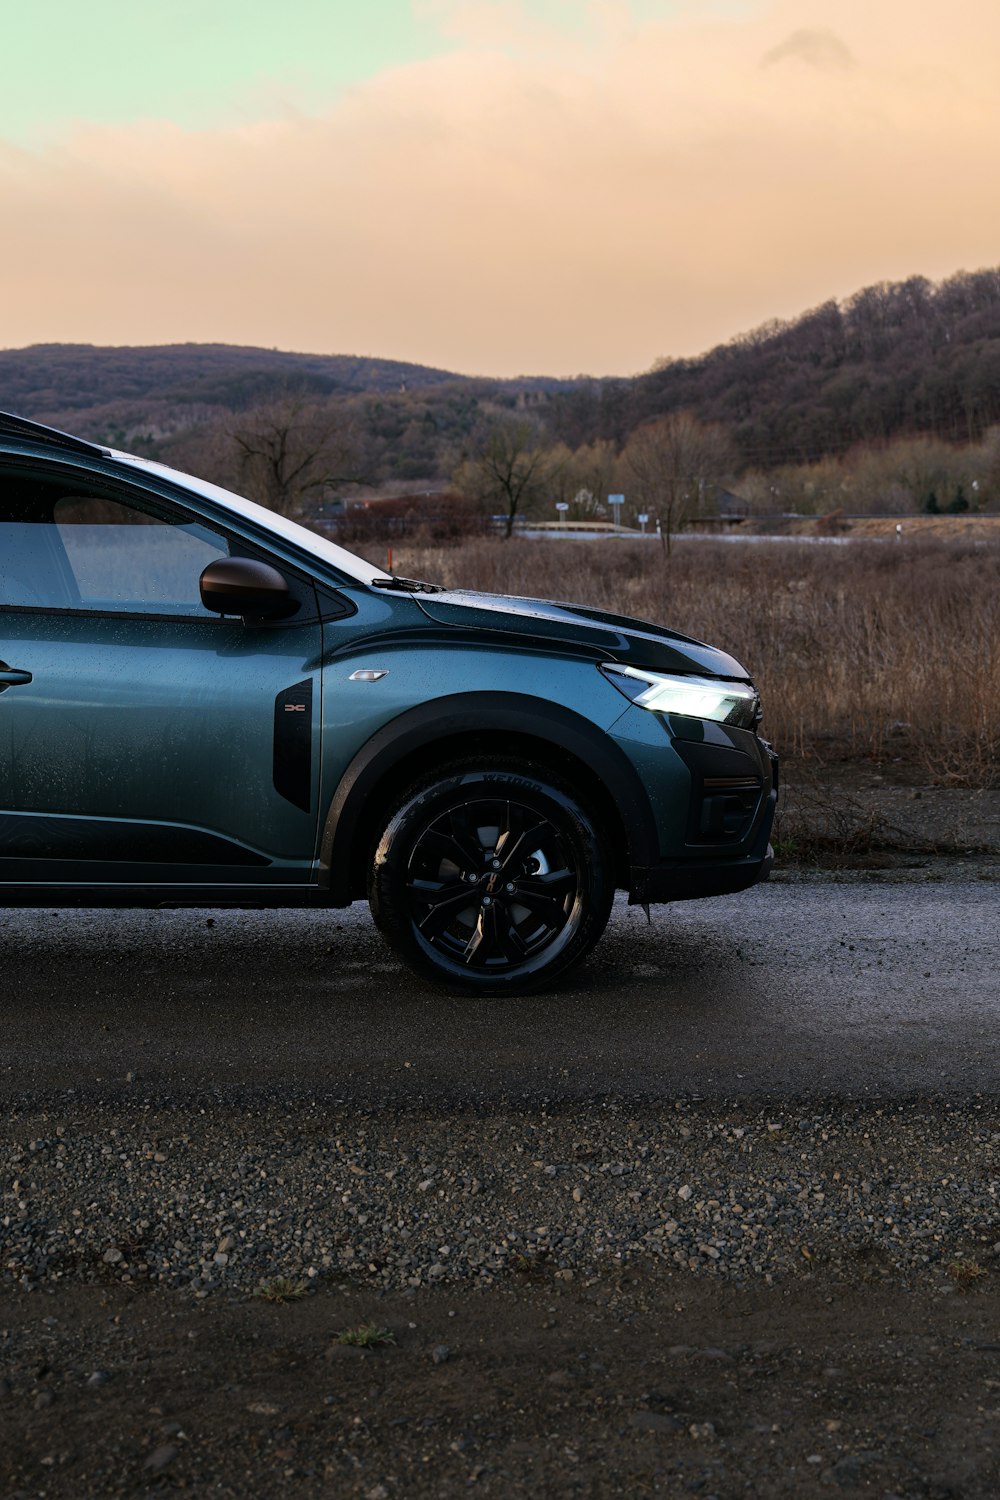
(249, 898)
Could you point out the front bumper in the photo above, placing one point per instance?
(713, 872)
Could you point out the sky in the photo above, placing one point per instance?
(499, 187)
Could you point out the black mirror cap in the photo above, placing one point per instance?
(243, 586)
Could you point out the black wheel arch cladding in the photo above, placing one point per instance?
(508, 717)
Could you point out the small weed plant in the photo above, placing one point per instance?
(965, 1273)
(366, 1336)
(281, 1289)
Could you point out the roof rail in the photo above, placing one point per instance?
(14, 426)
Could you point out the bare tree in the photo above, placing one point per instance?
(509, 469)
(292, 450)
(669, 462)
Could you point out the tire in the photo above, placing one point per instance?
(491, 879)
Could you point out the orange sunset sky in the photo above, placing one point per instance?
(494, 186)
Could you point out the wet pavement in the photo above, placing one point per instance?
(863, 989)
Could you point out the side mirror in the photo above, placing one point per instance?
(243, 586)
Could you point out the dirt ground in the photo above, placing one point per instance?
(631, 1385)
(866, 814)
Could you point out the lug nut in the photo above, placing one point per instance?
(472, 879)
(495, 863)
(509, 886)
(487, 900)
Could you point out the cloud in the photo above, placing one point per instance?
(505, 211)
(820, 49)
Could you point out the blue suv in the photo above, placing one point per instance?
(204, 704)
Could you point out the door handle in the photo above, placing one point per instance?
(11, 677)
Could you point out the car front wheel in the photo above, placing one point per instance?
(491, 880)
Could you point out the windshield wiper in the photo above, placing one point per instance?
(408, 585)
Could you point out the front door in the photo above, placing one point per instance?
(143, 739)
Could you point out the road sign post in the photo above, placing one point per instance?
(616, 502)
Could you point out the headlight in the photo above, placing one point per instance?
(694, 697)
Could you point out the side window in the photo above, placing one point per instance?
(124, 558)
(63, 546)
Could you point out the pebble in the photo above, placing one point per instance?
(160, 1458)
(655, 1421)
(440, 1354)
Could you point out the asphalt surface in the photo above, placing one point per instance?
(861, 989)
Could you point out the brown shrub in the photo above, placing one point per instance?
(861, 649)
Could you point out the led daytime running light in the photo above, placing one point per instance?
(693, 697)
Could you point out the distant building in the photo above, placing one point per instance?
(720, 509)
(730, 507)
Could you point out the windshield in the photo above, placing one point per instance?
(299, 536)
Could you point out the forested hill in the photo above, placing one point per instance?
(64, 377)
(896, 358)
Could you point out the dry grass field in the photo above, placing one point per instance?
(870, 650)
(977, 527)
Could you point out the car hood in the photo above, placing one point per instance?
(580, 631)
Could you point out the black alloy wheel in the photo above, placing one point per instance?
(492, 881)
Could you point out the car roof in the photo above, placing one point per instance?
(36, 435)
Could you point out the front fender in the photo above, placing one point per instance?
(447, 721)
